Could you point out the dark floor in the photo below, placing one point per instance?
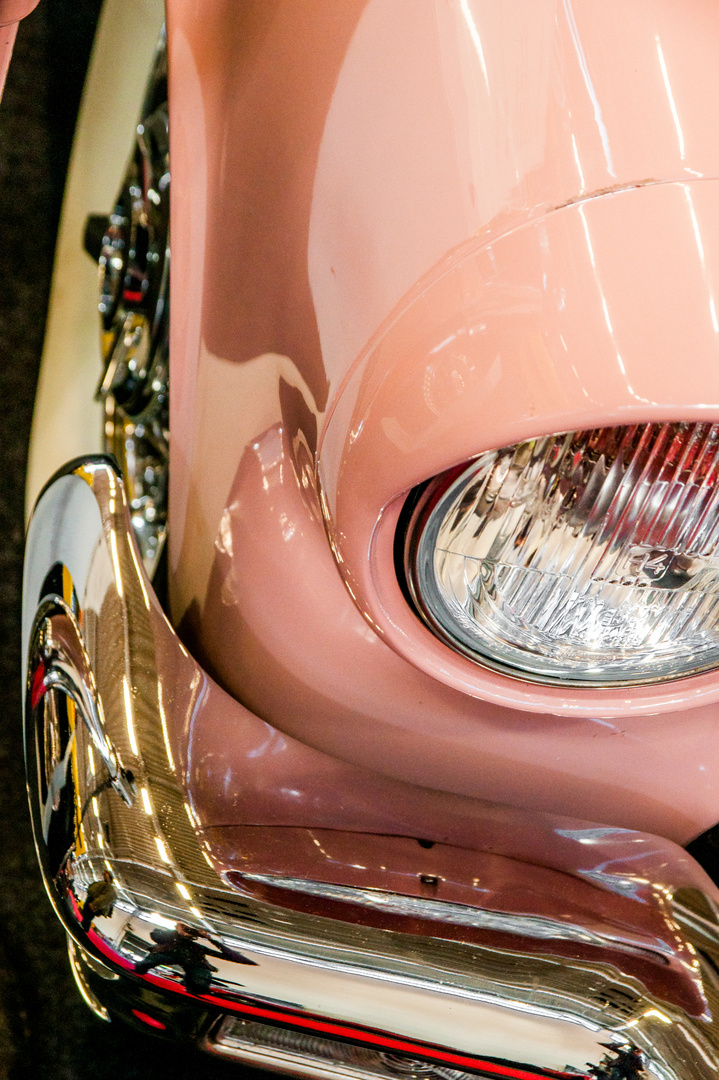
(45, 1029)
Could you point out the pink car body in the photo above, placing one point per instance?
(404, 232)
(525, 151)
(11, 12)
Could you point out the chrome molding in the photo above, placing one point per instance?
(444, 911)
(63, 664)
(110, 690)
(73, 953)
(282, 1051)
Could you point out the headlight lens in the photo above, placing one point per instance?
(587, 558)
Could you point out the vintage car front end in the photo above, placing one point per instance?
(412, 767)
(367, 927)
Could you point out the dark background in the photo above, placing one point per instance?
(46, 1031)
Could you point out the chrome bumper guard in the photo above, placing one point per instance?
(124, 863)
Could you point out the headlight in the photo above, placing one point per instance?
(587, 558)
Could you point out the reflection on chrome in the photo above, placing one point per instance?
(531, 926)
(419, 986)
(134, 265)
(64, 665)
(307, 1055)
(78, 970)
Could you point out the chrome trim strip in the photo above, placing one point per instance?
(285, 1051)
(417, 907)
(64, 665)
(80, 981)
(108, 681)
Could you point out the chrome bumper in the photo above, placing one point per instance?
(107, 681)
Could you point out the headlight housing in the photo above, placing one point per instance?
(587, 558)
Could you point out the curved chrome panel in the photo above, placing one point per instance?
(81, 982)
(65, 666)
(108, 694)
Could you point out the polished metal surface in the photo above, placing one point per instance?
(76, 966)
(444, 911)
(134, 307)
(280, 1050)
(64, 665)
(110, 692)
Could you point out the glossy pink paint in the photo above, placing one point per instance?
(407, 232)
(7, 40)
(241, 771)
(603, 312)
(283, 635)
(11, 11)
